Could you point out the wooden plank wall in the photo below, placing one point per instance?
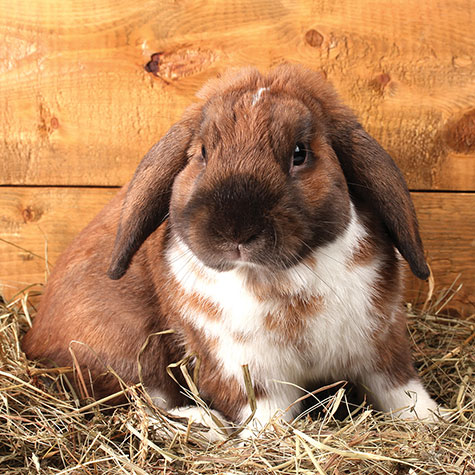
(78, 109)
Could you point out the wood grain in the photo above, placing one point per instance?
(447, 223)
(78, 108)
(36, 225)
(35, 217)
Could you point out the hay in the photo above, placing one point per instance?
(44, 429)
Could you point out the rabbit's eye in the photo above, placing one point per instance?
(203, 152)
(300, 155)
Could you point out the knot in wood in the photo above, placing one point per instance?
(460, 135)
(314, 38)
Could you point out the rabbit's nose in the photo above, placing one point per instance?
(244, 243)
(241, 250)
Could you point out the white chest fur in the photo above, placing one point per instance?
(334, 341)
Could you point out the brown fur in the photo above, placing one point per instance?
(78, 305)
(289, 322)
(391, 337)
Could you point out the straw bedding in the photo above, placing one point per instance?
(44, 428)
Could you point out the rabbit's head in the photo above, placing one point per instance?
(260, 173)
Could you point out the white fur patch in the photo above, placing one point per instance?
(158, 397)
(204, 417)
(257, 96)
(407, 401)
(276, 405)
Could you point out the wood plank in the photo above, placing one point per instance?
(447, 223)
(41, 222)
(78, 108)
(33, 217)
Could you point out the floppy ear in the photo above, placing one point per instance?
(373, 177)
(148, 195)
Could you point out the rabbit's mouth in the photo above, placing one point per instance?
(262, 250)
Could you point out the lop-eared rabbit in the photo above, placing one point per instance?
(265, 229)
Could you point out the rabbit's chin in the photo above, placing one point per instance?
(251, 261)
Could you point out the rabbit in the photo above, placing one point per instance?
(266, 228)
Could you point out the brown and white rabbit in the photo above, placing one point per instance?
(262, 229)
